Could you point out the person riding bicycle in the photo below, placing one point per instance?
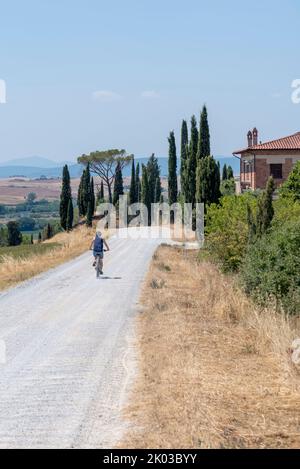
(98, 249)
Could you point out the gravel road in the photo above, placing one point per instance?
(70, 356)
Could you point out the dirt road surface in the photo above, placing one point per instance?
(70, 357)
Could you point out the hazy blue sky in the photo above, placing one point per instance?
(93, 74)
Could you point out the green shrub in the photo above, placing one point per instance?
(228, 187)
(227, 231)
(286, 209)
(271, 268)
(291, 187)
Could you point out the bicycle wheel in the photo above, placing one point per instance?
(98, 267)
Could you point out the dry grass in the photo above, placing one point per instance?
(214, 371)
(13, 271)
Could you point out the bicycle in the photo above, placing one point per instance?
(99, 265)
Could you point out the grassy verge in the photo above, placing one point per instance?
(24, 251)
(17, 266)
(215, 372)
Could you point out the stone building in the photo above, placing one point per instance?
(260, 160)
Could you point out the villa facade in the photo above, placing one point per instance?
(259, 161)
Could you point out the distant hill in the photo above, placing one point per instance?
(11, 170)
(34, 162)
(33, 173)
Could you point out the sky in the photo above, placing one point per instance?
(91, 75)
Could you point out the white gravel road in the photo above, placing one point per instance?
(70, 353)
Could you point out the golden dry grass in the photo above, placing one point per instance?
(13, 271)
(215, 372)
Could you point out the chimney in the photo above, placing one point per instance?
(250, 139)
(255, 136)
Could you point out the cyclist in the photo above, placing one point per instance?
(98, 249)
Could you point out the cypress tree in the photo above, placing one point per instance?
(100, 195)
(138, 183)
(217, 181)
(224, 173)
(268, 203)
(70, 215)
(230, 174)
(145, 193)
(102, 190)
(133, 189)
(81, 198)
(204, 136)
(190, 195)
(251, 225)
(86, 189)
(172, 181)
(14, 235)
(208, 181)
(194, 139)
(118, 187)
(89, 215)
(153, 172)
(157, 194)
(65, 197)
(265, 209)
(92, 196)
(183, 156)
(49, 231)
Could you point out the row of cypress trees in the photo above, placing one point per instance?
(199, 172)
(85, 199)
(148, 190)
(145, 188)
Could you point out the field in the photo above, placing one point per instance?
(215, 370)
(14, 190)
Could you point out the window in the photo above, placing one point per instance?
(276, 171)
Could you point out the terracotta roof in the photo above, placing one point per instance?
(287, 143)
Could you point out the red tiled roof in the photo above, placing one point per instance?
(287, 143)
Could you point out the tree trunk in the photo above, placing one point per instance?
(109, 193)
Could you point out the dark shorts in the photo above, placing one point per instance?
(98, 254)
